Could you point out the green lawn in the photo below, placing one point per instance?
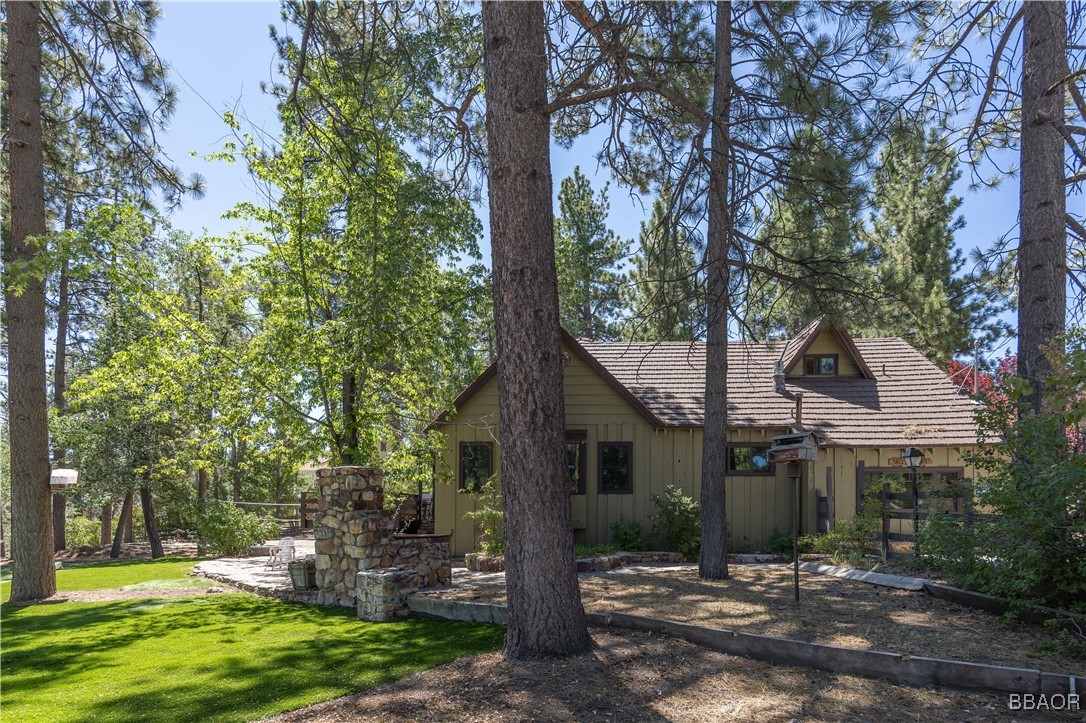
(216, 657)
(163, 572)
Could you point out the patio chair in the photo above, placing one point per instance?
(282, 554)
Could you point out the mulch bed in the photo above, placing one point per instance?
(758, 599)
(640, 677)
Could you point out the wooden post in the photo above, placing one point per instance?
(886, 520)
(860, 482)
(916, 506)
(967, 502)
(793, 472)
(831, 499)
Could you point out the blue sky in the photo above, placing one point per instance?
(221, 52)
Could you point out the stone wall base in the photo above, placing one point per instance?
(382, 594)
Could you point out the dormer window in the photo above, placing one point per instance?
(820, 365)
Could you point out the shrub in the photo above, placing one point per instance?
(82, 532)
(226, 530)
(779, 543)
(855, 537)
(626, 535)
(488, 516)
(1030, 545)
(593, 550)
(678, 522)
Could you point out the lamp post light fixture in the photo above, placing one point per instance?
(913, 458)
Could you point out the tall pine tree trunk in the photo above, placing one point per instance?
(123, 522)
(33, 575)
(107, 522)
(1042, 251)
(60, 376)
(148, 505)
(545, 612)
(714, 522)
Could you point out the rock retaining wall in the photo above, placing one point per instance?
(479, 562)
(354, 536)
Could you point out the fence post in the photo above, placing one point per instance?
(967, 502)
(885, 520)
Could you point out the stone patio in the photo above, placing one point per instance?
(252, 575)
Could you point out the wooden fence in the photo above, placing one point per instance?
(960, 492)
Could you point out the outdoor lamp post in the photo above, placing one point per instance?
(912, 458)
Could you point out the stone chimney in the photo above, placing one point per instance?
(778, 376)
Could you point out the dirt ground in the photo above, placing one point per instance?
(640, 677)
(758, 599)
(129, 551)
(140, 592)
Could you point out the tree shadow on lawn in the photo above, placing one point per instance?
(227, 657)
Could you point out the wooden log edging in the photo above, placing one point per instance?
(1037, 614)
(891, 667)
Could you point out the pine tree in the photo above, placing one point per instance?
(589, 257)
(662, 293)
(545, 612)
(811, 233)
(934, 306)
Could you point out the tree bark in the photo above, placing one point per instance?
(107, 522)
(33, 574)
(128, 527)
(60, 376)
(148, 505)
(125, 521)
(350, 418)
(1042, 251)
(714, 522)
(235, 470)
(545, 612)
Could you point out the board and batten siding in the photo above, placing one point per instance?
(661, 457)
(756, 504)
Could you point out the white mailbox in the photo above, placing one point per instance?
(62, 480)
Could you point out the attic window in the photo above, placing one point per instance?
(820, 365)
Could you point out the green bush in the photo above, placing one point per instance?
(626, 535)
(82, 532)
(226, 530)
(678, 522)
(852, 539)
(488, 516)
(1030, 545)
(580, 551)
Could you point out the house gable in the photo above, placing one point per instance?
(824, 338)
(587, 384)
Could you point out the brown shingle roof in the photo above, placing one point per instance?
(909, 400)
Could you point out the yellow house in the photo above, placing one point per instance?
(634, 414)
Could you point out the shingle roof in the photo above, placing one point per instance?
(909, 400)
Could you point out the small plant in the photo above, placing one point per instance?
(779, 543)
(488, 516)
(593, 550)
(678, 521)
(226, 530)
(626, 535)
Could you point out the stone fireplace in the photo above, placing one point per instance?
(361, 561)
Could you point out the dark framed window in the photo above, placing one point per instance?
(577, 458)
(820, 365)
(749, 459)
(615, 467)
(476, 464)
